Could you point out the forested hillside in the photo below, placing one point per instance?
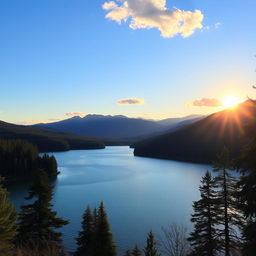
(19, 161)
(46, 140)
(201, 141)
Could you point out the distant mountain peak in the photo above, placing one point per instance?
(97, 116)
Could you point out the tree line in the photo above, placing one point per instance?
(19, 160)
(224, 219)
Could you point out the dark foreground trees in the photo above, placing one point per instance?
(246, 164)
(204, 239)
(229, 216)
(95, 238)
(37, 221)
(217, 218)
(8, 227)
(151, 247)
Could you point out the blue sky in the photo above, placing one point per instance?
(65, 56)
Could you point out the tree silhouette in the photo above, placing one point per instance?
(8, 227)
(227, 202)
(150, 248)
(86, 236)
(204, 238)
(246, 164)
(37, 220)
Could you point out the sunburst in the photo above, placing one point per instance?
(230, 101)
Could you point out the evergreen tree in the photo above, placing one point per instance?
(8, 227)
(128, 253)
(246, 164)
(37, 220)
(204, 239)
(227, 202)
(150, 248)
(104, 244)
(95, 219)
(19, 160)
(136, 251)
(86, 236)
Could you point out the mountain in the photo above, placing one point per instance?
(46, 140)
(114, 127)
(180, 120)
(202, 140)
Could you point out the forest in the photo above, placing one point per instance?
(224, 218)
(20, 160)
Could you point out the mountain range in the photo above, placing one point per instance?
(116, 128)
(204, 139)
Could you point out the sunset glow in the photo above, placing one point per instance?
(230, 101)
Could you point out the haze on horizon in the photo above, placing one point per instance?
(64, 58)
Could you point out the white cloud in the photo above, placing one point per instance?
(72, 114)
(153, 14)
(130, 101)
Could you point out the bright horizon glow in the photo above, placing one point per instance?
(230, 101)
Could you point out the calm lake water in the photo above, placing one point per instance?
(140, 194)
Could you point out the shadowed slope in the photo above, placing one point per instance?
(201, 141)
(47, 140)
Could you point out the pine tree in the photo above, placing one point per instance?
(150, 248)
(37, 220)
(136, 251)
(86, 236)
(8, 227)
(204, 239)
(128, 253)
(227, 202)
(104, 244)
(246, 164)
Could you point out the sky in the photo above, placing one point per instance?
(140, 58)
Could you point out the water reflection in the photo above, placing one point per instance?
(139, 193)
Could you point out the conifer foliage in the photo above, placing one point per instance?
(246, 164)
(151, 248)
(204, 239)
(8, 227)
(20, 159)
(227, 202)
(86, 236)
(37, 220)
(95, 238)
(136, 251)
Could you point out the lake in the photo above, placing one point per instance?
(139, 194)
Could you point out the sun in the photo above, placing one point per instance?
(230, 101)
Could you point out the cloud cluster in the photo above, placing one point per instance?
(72, 114)
(154, 14)
(206, 102)
(130, 101)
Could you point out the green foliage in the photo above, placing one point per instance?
(204, 239)
(19, 160)
(8, 227)
(95, 238)
(150, 248)
(37, 221)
